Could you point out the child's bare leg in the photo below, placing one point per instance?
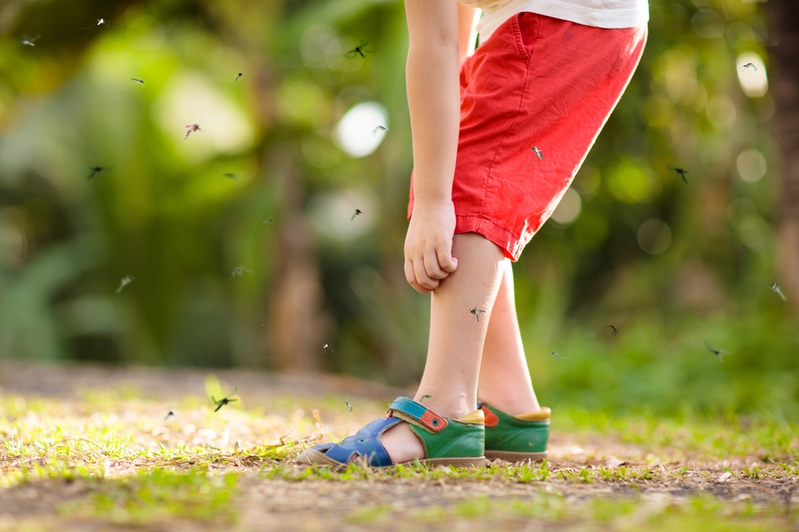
(504, 376)
(456, 339)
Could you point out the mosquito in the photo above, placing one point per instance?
(613, 329)
(100, 22)
(239, 270)
(349, 407)
(192, 128)
(554, 354)
(681, 172)
(125, 282)
(230, 176)
(225, 400)
(169, 415)
(749, 65)
(538, 153)
(477, 312)
(775, 287)
(238, 76)
(327, 346)
(96, 170)
(29, 42)
(716, 352)
(359, 50)
(379, 128)
(137, 80)
(356, 213)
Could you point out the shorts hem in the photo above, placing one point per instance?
(509, 243)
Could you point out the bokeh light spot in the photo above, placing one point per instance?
(588, 178)
(741, 213)
(355, 133)
(654, 236)
(631, 183)
(751, 165)
(752, 77)
(303, 102)
(569, 208)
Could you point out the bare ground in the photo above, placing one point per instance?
(399, 503)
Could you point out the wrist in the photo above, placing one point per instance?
(432, 200)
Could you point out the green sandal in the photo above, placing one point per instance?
(516, 438)
(446, 441)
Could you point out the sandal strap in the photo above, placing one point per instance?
(417, 414)
(364, 444)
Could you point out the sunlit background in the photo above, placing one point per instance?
(243, 242)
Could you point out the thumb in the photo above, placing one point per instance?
(447, 262)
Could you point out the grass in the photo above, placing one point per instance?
(109, 456)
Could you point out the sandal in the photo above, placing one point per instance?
(446, 441)
(516, 438)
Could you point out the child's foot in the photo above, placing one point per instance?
(402, 444)
(409, 431)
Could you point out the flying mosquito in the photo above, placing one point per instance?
(230, 176)
(29, 42)
(716, 352)
(225, 400)
(379, 128)
(96, 170)
(554, 354)
(359, 50)
(125, 282)
(169, 415)
(349, 406)
(613, 329)
(749, 65)
(100, 22)
(775, 287)
(192, 128)
(476, 311)
(356, 213)
(239, 270)
(137, 80)
(681, 172)
(327, 346)
(238, 76)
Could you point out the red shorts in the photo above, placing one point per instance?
(537, 82)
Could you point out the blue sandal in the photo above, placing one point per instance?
(446, 441)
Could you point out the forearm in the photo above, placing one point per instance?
(433, 95)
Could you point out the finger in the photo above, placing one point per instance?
(432, 269)
(410, 276)
(421, 276)
(445, 259)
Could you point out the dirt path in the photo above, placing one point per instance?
(656, 484)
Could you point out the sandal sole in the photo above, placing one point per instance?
(313, 457)
(511, 456)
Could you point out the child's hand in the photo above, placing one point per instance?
(428, 245)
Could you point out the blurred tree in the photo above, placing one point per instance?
(785, 55)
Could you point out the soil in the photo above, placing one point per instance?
(278, 504)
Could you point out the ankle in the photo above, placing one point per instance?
(511, 405)
(453, 407)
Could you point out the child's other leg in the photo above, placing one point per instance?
(504, 377)
(456, 339)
